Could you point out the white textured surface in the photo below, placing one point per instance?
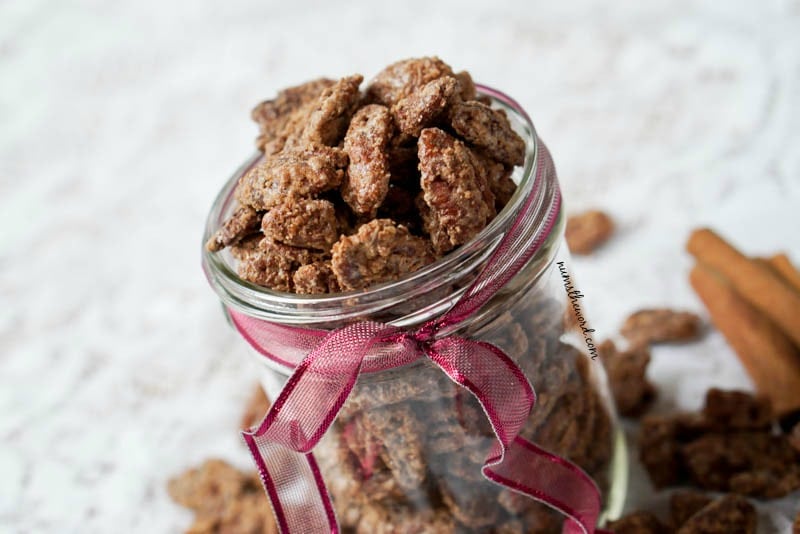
(118, 124)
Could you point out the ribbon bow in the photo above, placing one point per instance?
(332, 361)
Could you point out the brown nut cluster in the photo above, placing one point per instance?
(693, 513)
(224, 500)
(626, 370)
(661, 325)
(588, 230)
(408, 448)
(729, 446)
(356, 189)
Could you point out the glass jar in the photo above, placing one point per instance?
(406, 450)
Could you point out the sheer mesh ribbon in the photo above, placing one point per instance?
(327, 365)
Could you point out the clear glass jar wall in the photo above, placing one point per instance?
(407, 448)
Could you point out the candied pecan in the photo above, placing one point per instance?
(659, 325)
(379, 252)
(641, 522)
(724, 516)
(432, 226)
(429, 384)
(246, 246)
(489, 129)
(766, 484)
(454, 188)
(467, 86)
(249, 514)
(327, 121)
(207, 489)
(626, 376)
(242, 223)
(714, 459)
(256, 407)
(367, 179)
(275, 117)
(588, 230)
(400, 79)
(291, 174)
(315, 278)
(302, 223)
(737, 410)
(455, 425)
(362, 459)
(273, 264)
(659, 450)
(684, 504)
(422, 107)
(473, 504)
(398, 519)
(397, 428)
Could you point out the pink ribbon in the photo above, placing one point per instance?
(327, 365)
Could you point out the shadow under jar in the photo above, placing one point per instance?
(405, 452)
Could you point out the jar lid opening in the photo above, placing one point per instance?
(382, 300)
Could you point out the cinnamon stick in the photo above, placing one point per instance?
(784, 267)
(768, 355)
(757, 284)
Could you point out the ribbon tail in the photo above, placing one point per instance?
(528, 469)
(306, 407)
(507, 397)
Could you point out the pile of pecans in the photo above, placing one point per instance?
(356, 189)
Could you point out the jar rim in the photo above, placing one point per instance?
(290, 308)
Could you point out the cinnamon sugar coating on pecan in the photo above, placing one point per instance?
(400, 79)
(208, 488)
(243, 222)
(421, 108)
(489, 129)
(315, 278)
(379, 252)
(273, 264)
(588, 230)
(684, 504)
(224, 500)
(302, 223)
(400, 432)
(638, 523)
(728, 514)
(661, 325)
(291, 174)
(737, 410)
(367, 179)
(408, 520)
(454, 188)
(277, 118)
(327, 121)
